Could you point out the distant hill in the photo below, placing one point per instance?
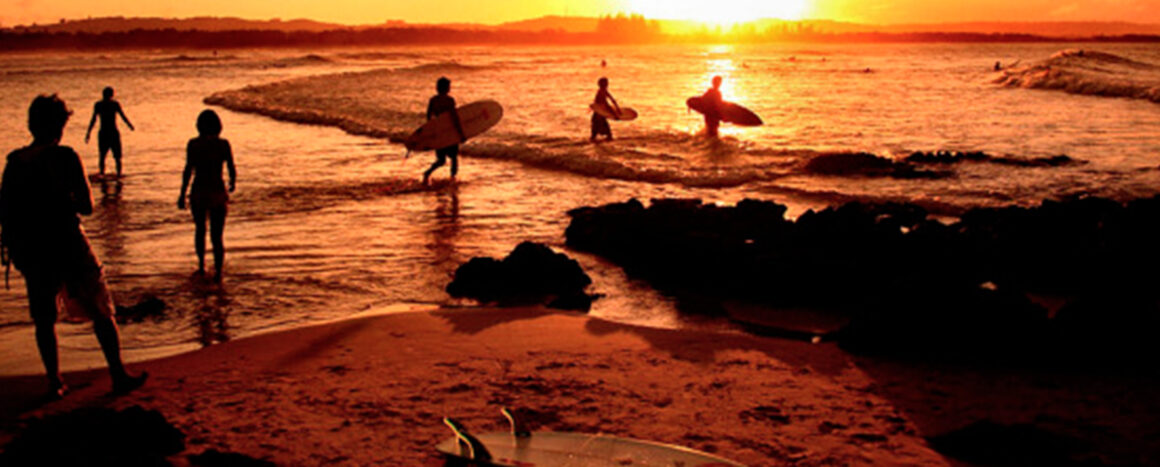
(203, 23)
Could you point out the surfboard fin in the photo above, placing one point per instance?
(519, 429)
(469, 446)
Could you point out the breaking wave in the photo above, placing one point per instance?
(1090, 73)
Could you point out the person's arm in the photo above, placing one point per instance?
(123, 117)
(230, 166)
(430, 104)
(185, 175)
(615, 105)
(92, 121)
(82, 196)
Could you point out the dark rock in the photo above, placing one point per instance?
(906, 281)
(148, 307)
(531, 274)
(866, 164)
(989, 443)
(215, 458)
(96, 437)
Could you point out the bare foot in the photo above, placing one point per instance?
(127, 384)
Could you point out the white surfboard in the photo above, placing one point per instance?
(439, 132)
(548, 448)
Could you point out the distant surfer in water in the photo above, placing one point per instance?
(443, 102)
(713, 115)
(204, 157)
(43, 195)
(600, 124)
(108, 137)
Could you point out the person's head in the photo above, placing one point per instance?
(443, 85)
(108, 92)
(602, 82)
(208, 124)
(716, 81)
(46, 118)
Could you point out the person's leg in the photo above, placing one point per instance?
(103, 149)
(217, 225)
(199, 235)
(454, 155)
(42, 306)
(439, 161)
(89, 289)
(116, 147)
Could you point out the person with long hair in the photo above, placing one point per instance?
(205, 156)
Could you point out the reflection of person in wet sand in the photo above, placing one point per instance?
(604, 98)
(44, 189)
(108, 137)
(713, 116)
(443, 102)
(204, 157)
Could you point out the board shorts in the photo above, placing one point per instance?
(109, 140)
(449, 151)
(600, 125)
(75, 276)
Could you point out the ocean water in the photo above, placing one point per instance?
(328, 223)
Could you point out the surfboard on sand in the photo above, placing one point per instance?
(439, 132)
(626, 113)
(729, 112)
(546, 448)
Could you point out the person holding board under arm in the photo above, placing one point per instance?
(440, 103)
(600, 124)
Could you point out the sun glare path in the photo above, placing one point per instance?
(721, 12)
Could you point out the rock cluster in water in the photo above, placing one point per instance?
(990, 282)
(872, 165)
(531, 274)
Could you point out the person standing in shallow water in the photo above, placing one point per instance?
(443, 102)
(43, 193)
(604, 98)
(208, 198)
(108, 137)
(713, 115)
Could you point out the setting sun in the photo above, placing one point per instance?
(723, 12)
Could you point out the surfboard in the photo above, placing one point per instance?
(729, 112)
(439, 132)
(520, 448)
(626, 113)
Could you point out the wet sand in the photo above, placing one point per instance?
(374, 390)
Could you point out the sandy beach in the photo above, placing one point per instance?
(372, 391)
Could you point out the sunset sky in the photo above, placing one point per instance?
(13, 12)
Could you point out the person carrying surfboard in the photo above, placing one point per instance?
(712, 114)
(443, 102)
(600, 124)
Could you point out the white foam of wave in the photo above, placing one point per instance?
(1088, 72)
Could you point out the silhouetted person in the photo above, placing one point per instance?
(443, 102)
(108, 138)
(204, 157)
(604, 98)
(998, 66)
(44, 192)
(714, 102)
